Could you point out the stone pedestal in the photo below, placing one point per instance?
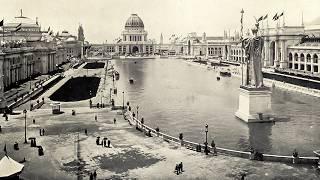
(254, 105)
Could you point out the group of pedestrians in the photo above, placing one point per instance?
(179, 168)
(93, 176)
(105, 142)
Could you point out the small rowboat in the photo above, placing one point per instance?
(317, 153)
(131, 80)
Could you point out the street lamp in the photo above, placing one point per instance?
(25, 126)
(206, 143)
(122, 100)
(110, 93)
(137, 113)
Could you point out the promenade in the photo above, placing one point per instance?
(133, 155)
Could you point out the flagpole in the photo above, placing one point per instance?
(242, 61)
(3, 30)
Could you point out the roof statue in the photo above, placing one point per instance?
(80, 33)
(253, 47)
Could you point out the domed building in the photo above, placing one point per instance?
(134, 39)
(22, 28)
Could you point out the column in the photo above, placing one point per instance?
(276, 54)
(312, 69)
(266, 54)
(271, 60)
(283, 60)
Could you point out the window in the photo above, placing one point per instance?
(302, 58)
(295, 57)
(315, 58)
(290, 57)
(308, 58)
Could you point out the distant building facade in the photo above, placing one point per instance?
(133, 40)
(26, 51)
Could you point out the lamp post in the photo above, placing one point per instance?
(110, 94)
(25, 126)
(122, 100)
(137, 113)
(206, 143)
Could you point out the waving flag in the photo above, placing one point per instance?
(275, 17)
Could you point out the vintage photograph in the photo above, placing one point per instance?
(159, 89)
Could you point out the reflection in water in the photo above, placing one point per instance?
(259, 136)
(181, 98)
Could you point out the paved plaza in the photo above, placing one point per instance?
(132, 154)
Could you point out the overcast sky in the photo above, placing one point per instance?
(105, 19)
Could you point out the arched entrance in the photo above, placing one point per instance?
(135, 49)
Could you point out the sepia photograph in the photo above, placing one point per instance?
(159, 89)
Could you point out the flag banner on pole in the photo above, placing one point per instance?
(260, 18)
(1, 23)
(18, 29)
(280, 15)
(275, 16)
(19, 25)
(265, 17)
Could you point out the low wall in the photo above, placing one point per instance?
(192, 145)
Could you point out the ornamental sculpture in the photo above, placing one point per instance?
(253, 48)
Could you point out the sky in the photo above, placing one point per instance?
(105, 19)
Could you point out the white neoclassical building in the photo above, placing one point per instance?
(133, 40)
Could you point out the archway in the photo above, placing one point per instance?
(135, 49)
(272, 53)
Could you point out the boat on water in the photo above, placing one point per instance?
(131, 81)
(317, 153)
(164, 56)
(225, 74)
(137, 57)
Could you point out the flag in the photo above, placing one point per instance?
(265, 17)
(260, 18)
(50, 33)
(49, 29)
(280, 15)
(1, 23)
(5, 149)
(18, 28)
(275, 16)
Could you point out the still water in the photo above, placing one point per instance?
(181, 98)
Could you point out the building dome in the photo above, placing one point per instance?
(23, 21)
(134, 21)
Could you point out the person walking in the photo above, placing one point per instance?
(114, 120)
(94, 175)
(109, 142)
(96, 118)
(177, 169)
(42, 132)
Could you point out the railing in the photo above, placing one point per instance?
(193, 146)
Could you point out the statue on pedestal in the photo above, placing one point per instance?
(253, 48)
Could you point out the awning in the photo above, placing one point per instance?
(9, 167)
